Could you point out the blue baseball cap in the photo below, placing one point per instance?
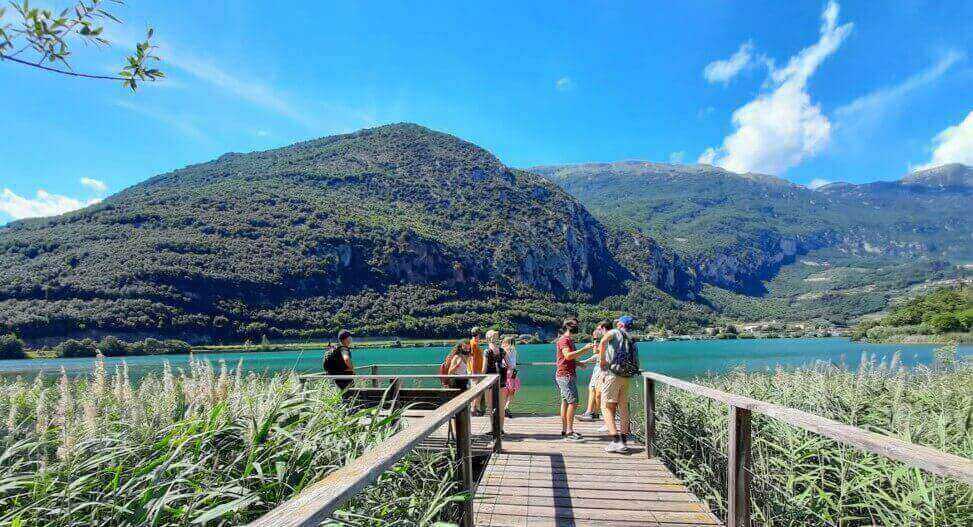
(626, 320)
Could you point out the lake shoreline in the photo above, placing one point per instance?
(367, 343)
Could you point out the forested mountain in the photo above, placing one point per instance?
(392, 230)
(737, 230)
(400, 230)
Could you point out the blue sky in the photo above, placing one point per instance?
(811, 91)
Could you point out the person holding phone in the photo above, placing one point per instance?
(566, 377)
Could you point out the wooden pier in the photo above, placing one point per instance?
(534, 478)
(542, 480)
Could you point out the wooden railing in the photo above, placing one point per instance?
(740, 440)
(317, 502)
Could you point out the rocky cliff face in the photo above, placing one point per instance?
(736, 230)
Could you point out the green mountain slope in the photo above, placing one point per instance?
(378, 230)
(737, 230)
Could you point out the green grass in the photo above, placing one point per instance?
(196, 447)
(800, 478)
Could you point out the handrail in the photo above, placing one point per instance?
(429, 365)
(929, 459)
(739, 455)
(318, 501)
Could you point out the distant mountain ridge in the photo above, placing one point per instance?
(736, 230)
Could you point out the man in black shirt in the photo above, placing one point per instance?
(337, 361)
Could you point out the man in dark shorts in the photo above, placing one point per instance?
(337, 361)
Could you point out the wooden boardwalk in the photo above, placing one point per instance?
(541, 480)
(535, 478)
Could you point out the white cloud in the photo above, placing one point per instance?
(781, 128)
(953, 145)
(724, 70)
(95, 184)
(818, 183)
(180, 123)
(866, 111)
(43, 204)
(564, 84)
(708, 157)
(677, 157)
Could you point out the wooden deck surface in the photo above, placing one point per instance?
(541, 480)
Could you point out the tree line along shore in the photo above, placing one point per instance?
(941, 316)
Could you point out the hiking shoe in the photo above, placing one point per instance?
(507, 414)
(616, 447)
(587, 417)
(574, 436)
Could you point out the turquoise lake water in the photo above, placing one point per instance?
(684, 359)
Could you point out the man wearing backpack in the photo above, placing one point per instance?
(338, 360)
(619, 363)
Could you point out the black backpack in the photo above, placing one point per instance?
(625, 362)
(334, 363)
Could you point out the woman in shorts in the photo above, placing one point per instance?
(513, 383)
(594, 385)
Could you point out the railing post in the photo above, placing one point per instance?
(495, 416)
(738, 469)
(464, 456)
(648, 397)
(374, 371)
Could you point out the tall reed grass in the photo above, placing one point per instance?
(205, 446)
(800, 478)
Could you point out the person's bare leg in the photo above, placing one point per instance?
(591, 401)
(596, 397)
(609, 414)
(564, 412)
(501, 405)
(488, 405)
(569, 417)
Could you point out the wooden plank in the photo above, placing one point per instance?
(607, 480)
(579, 471)
(548, 492)
(581, 485)
(576, 513)
(926, 458)
(316, 503)
(619, 501)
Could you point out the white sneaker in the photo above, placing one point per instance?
(616, 447)
(604, 428)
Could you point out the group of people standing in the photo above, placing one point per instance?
(498, 357)
(615, 358)
(612, 351)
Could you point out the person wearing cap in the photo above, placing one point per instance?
(338, 360)
(614, 386)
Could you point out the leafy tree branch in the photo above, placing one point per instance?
(39, 38)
